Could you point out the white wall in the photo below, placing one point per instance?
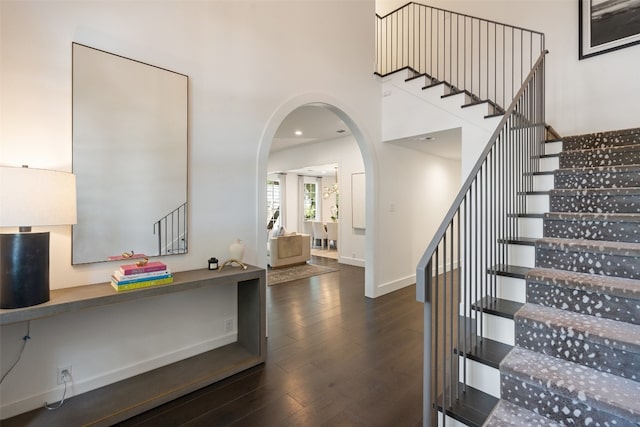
(414, 201)
(595, 94)
(407, 110)
(245, 60)
(346, 153)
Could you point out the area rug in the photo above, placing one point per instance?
(324, 253)
(288, 274)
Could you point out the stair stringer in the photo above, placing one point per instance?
(408, 111)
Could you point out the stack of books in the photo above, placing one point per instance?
(134, 276)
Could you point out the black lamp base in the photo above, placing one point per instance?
(24, 269)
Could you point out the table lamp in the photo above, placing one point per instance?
(30, 197)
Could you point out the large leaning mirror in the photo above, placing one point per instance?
(129, 157)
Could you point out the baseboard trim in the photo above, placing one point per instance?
(79, 386)
(356, 262)
(385, 288)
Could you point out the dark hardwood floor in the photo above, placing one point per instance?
(335, 358)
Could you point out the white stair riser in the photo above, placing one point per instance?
(530, 227)
(543, 182)
(398, 78)
(538, 203)
(492, 122)
(512, 289)
(522, 255)
(553, 147)
(456, 101)
(432, 94)
(449, 422)
(415, 85)
(549, 164)
(499, 329)
(483, 109)
(481, 377)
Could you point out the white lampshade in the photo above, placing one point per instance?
(36, 197)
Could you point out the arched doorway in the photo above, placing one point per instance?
(365, 147)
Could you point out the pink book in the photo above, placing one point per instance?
(128, 269)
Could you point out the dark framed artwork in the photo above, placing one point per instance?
(607, 25)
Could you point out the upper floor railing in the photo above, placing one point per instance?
(488, 59)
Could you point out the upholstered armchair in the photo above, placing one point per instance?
(290, 249)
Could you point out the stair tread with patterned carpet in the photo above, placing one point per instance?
(506, 414)
(601, 296)
(618, 200)
(603, 344)
(566, 392)
(594, 216)
(589, 150)
(612, 285)
(608, 247)
(635, 191)
(621, 227)
(602, 139)
(601, 257)
(598, 177)
(607, 156)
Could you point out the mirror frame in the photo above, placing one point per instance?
(129, 131)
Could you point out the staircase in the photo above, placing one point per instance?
(576, 359)
(531, 284)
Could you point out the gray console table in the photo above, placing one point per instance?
(114, 403)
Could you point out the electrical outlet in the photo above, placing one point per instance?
(228, 325)
(64, 373)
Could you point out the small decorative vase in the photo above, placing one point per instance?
(236, 250)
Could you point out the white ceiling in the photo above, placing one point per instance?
(445, 143)
(317, 123)
(316, 170)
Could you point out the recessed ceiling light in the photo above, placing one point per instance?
(341, 131)
(423, 138)
(298, 132)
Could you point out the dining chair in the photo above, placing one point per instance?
(319, 233)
